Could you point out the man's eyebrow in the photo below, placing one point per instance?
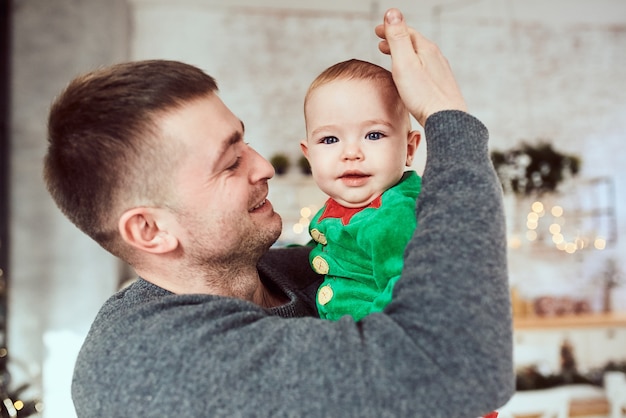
(232, 140)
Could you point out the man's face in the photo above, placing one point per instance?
(356, 141)
(221, 187)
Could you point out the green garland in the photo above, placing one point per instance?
(528, 169)
(529, 378)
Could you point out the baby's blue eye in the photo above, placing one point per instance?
(374, 136)
(329, 140)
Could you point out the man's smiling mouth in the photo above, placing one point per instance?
(258, 206)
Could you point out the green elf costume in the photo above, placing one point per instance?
(359, 250)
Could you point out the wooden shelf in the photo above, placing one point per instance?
(593, 320)
(582, 408)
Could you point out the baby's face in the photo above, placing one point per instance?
(356, 141)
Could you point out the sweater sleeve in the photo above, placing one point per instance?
(453, 297)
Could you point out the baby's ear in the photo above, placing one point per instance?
(304, 147)
(412, 142)
(147, 229)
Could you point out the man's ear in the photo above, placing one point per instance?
(147, 230)
(412, 142)
(304, 147)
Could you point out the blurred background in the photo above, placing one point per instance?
(547, 78)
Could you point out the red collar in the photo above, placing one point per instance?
(335, 210)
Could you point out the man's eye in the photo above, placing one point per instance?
(235, 165)
(374, 136)
(329, 140)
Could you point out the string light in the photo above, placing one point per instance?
(305, 219)
(556, 234)
(599, 243)
(580, 217)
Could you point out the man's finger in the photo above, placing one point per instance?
(380, 31)
(397, 35)
(383, 46)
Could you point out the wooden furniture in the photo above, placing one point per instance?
(604, 320)
(596, 338)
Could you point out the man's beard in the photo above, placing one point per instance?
(225, 262)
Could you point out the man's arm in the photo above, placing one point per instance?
(457, 256)
(286, 271)
(454, 291)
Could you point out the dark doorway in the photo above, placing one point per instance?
(5, 36)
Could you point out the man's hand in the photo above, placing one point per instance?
(421, 73)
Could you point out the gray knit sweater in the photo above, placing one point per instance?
(441, 348)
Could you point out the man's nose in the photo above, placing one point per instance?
(260, 168)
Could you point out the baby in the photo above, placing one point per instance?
(359, 143)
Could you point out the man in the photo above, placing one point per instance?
(146, 159)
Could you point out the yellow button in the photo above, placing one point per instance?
(318, 236)
(320, 265)
(324, 295)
